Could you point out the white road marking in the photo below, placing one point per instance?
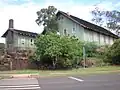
(22, 87)
(80, 80)
(28, 88)
(18, 86)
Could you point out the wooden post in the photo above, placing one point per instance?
(84, 56)
(11, 65)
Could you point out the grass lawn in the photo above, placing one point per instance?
(80, 71)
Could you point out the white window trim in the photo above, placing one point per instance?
(74, 26)
(74, 31)
(66, 31)
(22, 41)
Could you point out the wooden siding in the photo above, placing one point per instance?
(25, 41)
(67, 24)
(82, 33)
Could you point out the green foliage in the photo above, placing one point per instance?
(112, 54)
(97, 16)
(61, 49)
(98, 61)
(111, 19)
(90, 49)
(47, 17)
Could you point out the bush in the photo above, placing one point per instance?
(100, 51)
(56, 47)
(112, 54)
(90, 49)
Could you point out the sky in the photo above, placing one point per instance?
(24, 11)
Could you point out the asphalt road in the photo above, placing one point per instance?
(87, 82)
(19, 84)
(91, 82)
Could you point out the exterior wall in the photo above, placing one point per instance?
(9, 40)
(15, 39)
(107, 39)
(89, 36)
(82, 33)
(69, 25)
(23, 41)
(96, 37)
(110, 40)
(5, 42)
(101, 39)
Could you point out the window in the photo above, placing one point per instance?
(74, 27)
(65, 32)
(31, 40)
(23, 41)
(73, 30)
(60, 18)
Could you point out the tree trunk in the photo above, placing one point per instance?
(54, 62)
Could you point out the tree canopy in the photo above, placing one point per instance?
(109, 19)
(47, 18)
(112, 54)
(59, 48)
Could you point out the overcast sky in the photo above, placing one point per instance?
(24, 11)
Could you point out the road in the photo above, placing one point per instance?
(86, 82)
(19, 84)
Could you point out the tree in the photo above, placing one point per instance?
(110, 19)
(112, 54)
(61, 49)
(97, 16)
(113, 20)
(47, 17)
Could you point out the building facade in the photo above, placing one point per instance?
(18, 39)
(68, 25)
(83, 30)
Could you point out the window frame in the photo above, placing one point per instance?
(73, 30)
(64, 32)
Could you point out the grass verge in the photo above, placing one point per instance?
(80, 71)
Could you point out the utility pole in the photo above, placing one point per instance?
(84, 55)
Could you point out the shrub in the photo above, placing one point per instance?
(100, 51)
(112, 54)
(90, 49)
(56, 47)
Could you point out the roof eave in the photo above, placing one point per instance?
(4, 35)
(84, 25)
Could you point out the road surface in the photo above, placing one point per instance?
(19, 84)
(87, 82)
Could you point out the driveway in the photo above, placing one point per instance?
(86, 82)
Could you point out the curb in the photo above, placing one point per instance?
(24, 76)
